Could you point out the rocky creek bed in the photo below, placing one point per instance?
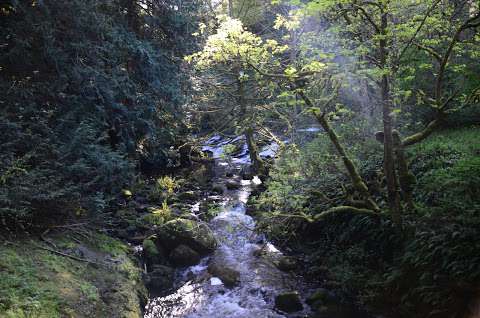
(223, 267)
(198, 256)
(226, 269)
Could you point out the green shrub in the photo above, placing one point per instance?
(88, 96)
(430, 268)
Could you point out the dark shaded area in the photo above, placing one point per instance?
(91, 92)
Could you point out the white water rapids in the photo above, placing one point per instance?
(199, 295)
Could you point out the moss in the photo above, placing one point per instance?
(109, 245)
(157, 216)
(25, 290)
(149, 247)
(37, 283)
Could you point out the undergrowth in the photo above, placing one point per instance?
(431, 268)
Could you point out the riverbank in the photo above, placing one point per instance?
(428, 268)
(242, 277)
(70, 274)
(102, 266)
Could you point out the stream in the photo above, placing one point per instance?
(198, 294)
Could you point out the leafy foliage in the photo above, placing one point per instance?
(92, 89)
(427, 269)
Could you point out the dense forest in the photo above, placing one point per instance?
(240, 158)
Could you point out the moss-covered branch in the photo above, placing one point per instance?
(344, 209)
(355, 177)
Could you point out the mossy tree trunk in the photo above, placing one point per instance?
(258, 164)
(393, 197)
(405, 177)
(357, 181)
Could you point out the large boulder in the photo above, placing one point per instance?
(194, 234)
(288, 302)
(247, 173)
(228, 276)
(183, 255)
(160, 280)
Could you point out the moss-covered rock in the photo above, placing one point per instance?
(233, 185)
(217, 188)
(160, 280)
(191, 233)
(183, 255)
(151, 253)
(188, 196)
(321, 299)
(287, 263)
(127, 194)
(227, 275)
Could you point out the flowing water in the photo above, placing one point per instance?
(198, 294)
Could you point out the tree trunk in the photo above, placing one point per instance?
(258, 164)
(355, 177)
(405, 177)
(230, 8)
(388, 158)
(131, 7)
(357, 180)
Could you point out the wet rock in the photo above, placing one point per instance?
(160, 279)
(288, 302)
(247, 173)
(258, 251)
(127, 194)
(228, 276)
(217, 188)
(287, 263)
(229, 174)
(233, 185)
(183, 255)
(191, 233)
